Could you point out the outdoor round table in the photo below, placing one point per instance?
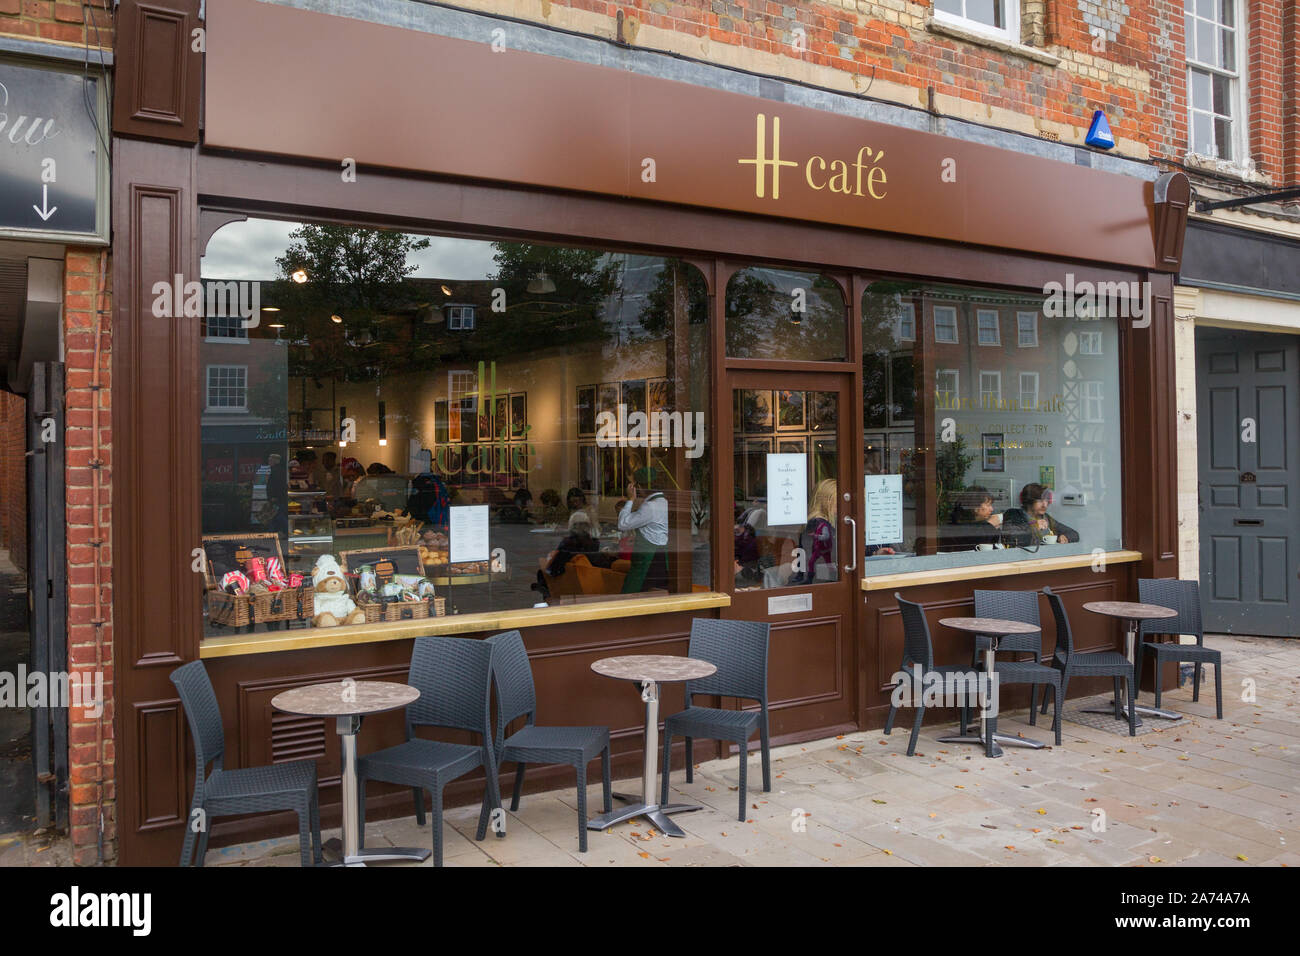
(650, 670)
(994, 629)
(1131, 612)
(348, 701)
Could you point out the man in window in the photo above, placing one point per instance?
(648, 518)
(1030, 524)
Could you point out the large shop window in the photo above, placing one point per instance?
(991, 428)
(409, 426)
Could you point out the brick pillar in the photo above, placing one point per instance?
(1290, 100)
(87, 320)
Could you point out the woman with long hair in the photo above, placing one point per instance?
(818, 537)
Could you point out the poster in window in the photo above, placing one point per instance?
(634, 395)
(792, 446)
(993, 454)
(519, 463)
(660, 399)
(751, 467)
(1047, 476)
(518, 414)
(466, 428)
(501, 416)
(756, 411)
(634, 463)
(587, 468)
(586, 410)
(825, 460)
(484, 430)
(790, 412)
(609, 484)
(440, 422)
(607, 399)
(874, 454)
(822, 409)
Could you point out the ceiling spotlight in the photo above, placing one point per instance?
(336, 319)
(269, 308)
(299, 276)
(541, 284)
(275, 325)
(446, 289)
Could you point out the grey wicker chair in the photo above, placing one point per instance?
(739, 650)
(281, 786)
(454, 677)
(1022, 606)
(1072, 664)
(574, 746)
(918, 651)
(1185, 598)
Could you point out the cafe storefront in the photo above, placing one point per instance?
(442, 342)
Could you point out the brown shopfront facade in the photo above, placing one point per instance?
(840, 328)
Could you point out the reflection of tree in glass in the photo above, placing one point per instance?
(675, 279)
(882, 307)
(761, 315)
(352, 272)
(574, 313)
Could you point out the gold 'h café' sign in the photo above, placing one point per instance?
(841, 172)
(598, 129)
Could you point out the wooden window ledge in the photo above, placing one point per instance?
(911, 579)
(270, 642)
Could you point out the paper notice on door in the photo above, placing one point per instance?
(469, 534)
(787, 489)
(884, 496)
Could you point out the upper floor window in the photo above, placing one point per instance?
(945, 324)
(1000, 18)
(1027, 330)
(228, 388)
(907, 323)
(1212, 78)
(460, 316)
(225, 328)
(987, 320)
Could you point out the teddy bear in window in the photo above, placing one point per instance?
(332, 604)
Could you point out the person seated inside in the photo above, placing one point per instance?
(1030, 524)
(973, 521)
(579, 540)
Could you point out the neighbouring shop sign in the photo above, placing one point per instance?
(364, 94)
(52, 164)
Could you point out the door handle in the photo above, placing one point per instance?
(1249, 522)
(853, 544)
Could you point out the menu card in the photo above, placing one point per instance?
(469, 534)
(787, 489)
(884, 494)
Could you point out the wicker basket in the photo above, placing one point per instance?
(406, 610)
(373, 610)
(230, 610)
(240, 610)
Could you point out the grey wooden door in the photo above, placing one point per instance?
(1248, 490)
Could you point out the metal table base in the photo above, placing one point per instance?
(981, 740)
(1130, 644)
(647, 805)
(348, 849)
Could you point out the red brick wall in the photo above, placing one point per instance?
(1289, 172)
(90, 644)
(13, 476)
(58, 20)
(867, 41)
